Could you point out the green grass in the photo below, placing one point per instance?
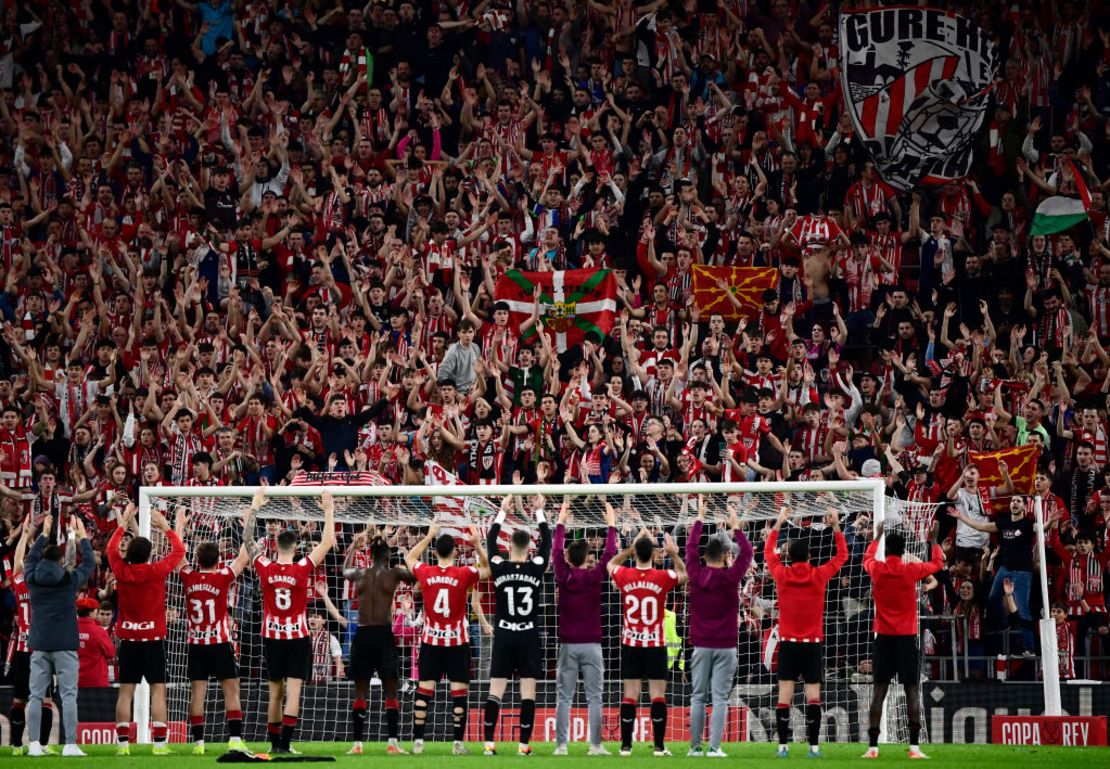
(961, 756)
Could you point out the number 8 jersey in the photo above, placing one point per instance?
(285, 588)
(644, 597)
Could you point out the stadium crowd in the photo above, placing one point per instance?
(241, 240)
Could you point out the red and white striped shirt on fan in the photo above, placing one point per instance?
(362, 560)
(644, 597)
(325, 648)
(141, 590)
(1065, 649)
(206, 604)
(1098, 298)
(812, 233)
(446, 619)
(285, 588)
(22, 616)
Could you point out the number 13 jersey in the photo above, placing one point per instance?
(518, 584)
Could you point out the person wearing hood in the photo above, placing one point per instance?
(53, 638)
(96, 650)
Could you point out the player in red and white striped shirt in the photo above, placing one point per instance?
(644, 592)
(141, 629)
(285, 585)
(445, 641)
(207, 591)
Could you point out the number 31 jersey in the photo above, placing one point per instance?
(643, 597)
(206, 601)
(284, 597)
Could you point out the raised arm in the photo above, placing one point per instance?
(171, 561)
(989, 526)
(21, 545)
(248, 551)
(483, 557)
(544, 551)
(618, 559)
(414, 555)
(671, 549)
(832, 566)
(327, 540)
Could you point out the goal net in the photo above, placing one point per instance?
(402, 513)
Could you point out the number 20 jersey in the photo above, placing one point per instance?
(285, 589)
(644, 598)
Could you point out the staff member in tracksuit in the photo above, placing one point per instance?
(714, 627)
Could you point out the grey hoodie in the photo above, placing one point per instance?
(53, 592)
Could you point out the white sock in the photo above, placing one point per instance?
(914, 747)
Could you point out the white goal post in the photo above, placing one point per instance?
(656, 505)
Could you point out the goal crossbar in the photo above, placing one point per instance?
(867, 495)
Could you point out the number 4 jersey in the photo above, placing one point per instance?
(644, 597)
(285, 589)
(446, 615)
(206, 601)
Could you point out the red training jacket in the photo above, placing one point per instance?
(801, 589)
(894, 588)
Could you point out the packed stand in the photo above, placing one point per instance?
(243, 240)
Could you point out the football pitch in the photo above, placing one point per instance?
(961, 756)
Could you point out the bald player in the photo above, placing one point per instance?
(374, 647)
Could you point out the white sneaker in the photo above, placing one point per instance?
(626, 752)
(871, 753)
(696, 752)
(715, 753)
(598, 750)
(72, 751)
(417, 747)
(560, 750)
(35, 750)
(664, 753)
(489, 749)
(459, 749)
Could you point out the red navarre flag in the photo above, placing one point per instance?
(747, 284)
(1021, 461)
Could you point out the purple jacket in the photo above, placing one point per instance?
(580, 591)
(715, 593)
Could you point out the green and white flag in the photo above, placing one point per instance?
(1059, 213)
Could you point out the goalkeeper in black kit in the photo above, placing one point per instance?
(518, 584)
